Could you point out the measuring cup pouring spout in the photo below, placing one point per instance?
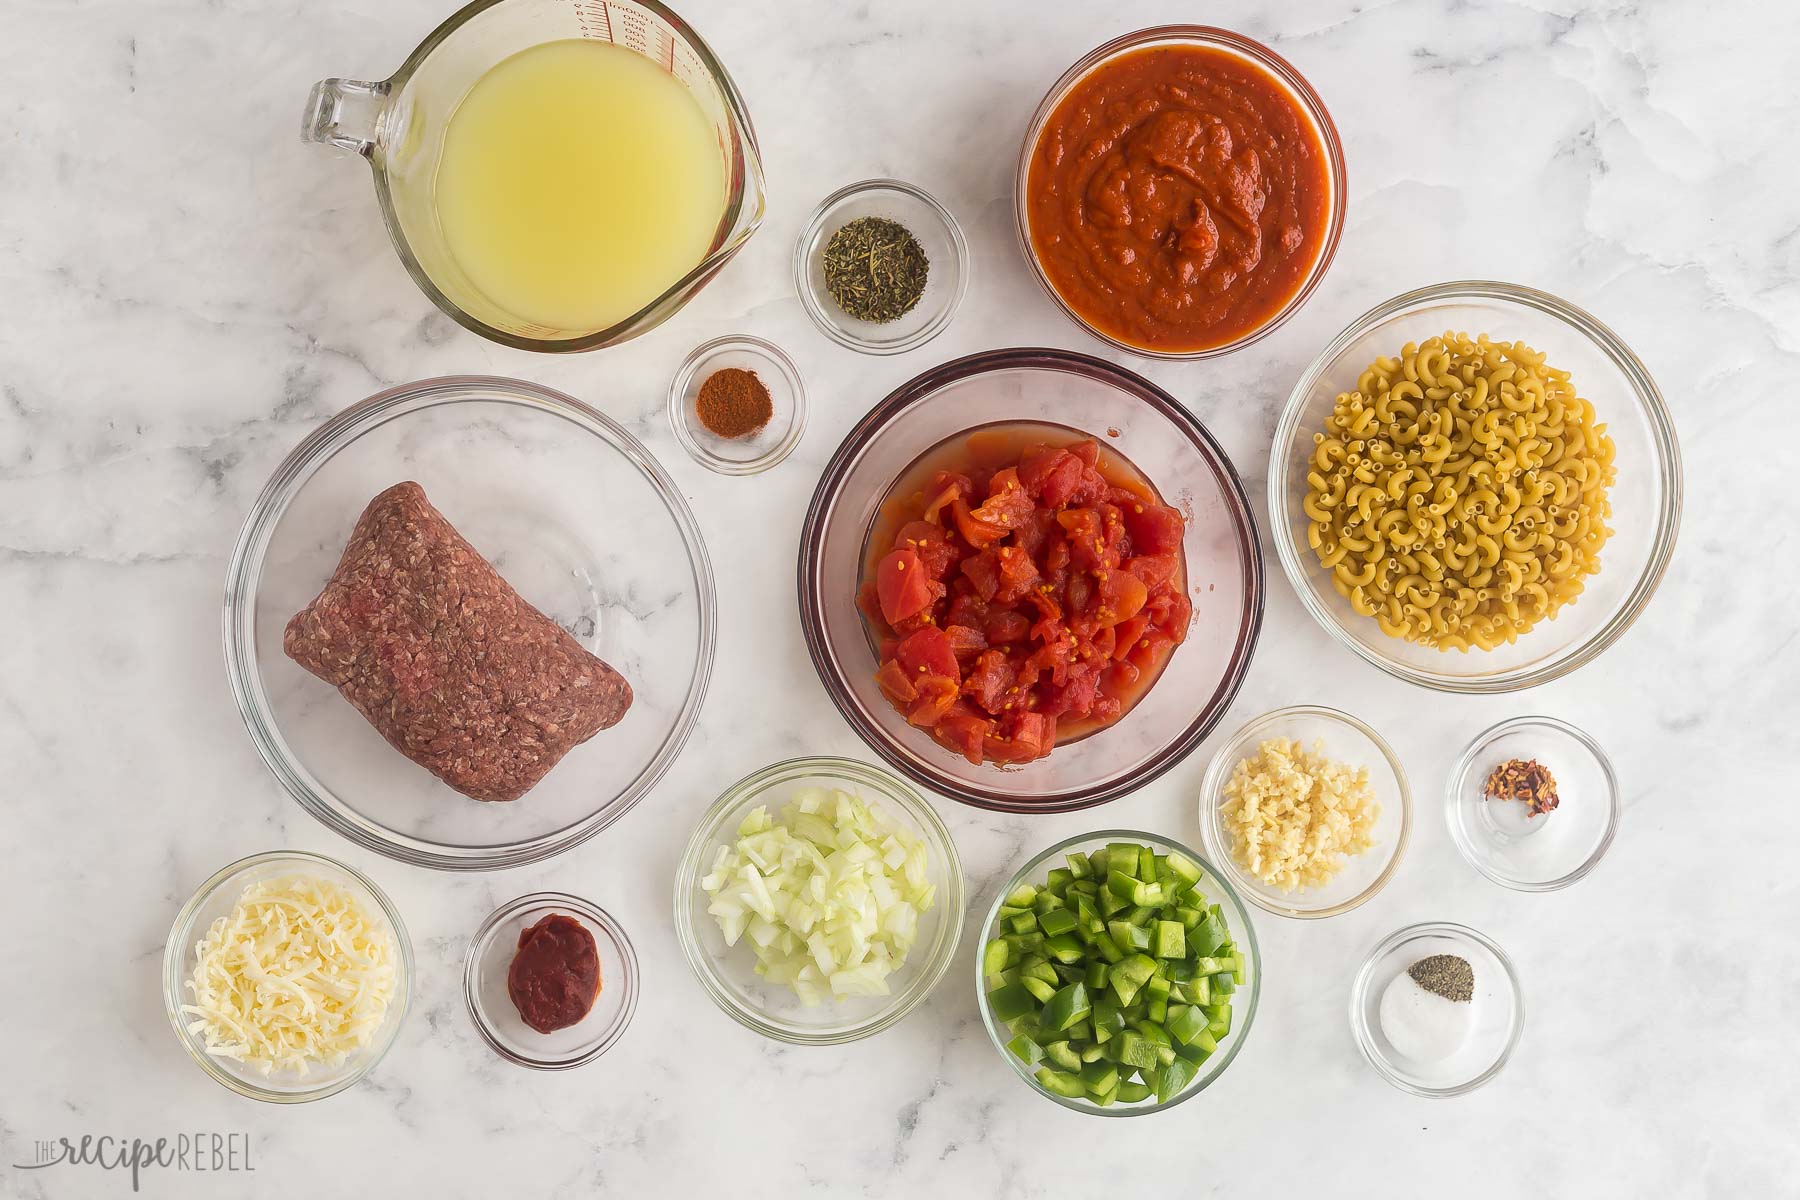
(398, 126)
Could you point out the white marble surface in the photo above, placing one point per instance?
(186, 291)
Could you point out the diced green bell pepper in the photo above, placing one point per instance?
(1171, 940)
(1062, 1083)
(1067, 1007)
(1011, 1001)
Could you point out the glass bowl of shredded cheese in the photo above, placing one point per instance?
(1307, 810)
(287, 976)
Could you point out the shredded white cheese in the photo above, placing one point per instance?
(300, 974)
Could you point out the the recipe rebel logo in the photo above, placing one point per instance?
(193, 1153)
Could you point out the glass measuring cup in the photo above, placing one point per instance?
(398, 125)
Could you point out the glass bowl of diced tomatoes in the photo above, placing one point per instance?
(1030, 580)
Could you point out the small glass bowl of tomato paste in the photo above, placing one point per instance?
(1029, 397)
(491, 1006)
(1204, 224)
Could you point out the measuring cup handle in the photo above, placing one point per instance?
(344, 113)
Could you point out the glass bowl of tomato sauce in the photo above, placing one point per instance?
(979, 414)
(1180, 191)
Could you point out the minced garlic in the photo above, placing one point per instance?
(1293, 814)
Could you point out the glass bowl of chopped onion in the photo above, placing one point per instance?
(287, 976)
(1307, 811)
(819, 901)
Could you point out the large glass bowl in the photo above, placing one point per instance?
(577, 516)
(1218, 890)
(216, 898)
(1646, 500)
(1129, 415)
(1283, 73)
(728, 973)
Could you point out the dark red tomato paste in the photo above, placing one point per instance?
(1178, 198)
(1024, 589)
(555, 975)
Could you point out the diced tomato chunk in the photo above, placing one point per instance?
(990, 682)
(933, 545)
(902, 585)
(928, 652)
(1128, 632)
(983, 570)
(936, 695)
(1004, 627)
(895, 685)
(1088, 452)
(963, 730)
(1008, 504)
(1023, 736)
(966, 608)
(1154, 528)
(975, 531)
(1017, 574)
(1122, 595)
(1153, 569)
(965, 641)
(1147, 652)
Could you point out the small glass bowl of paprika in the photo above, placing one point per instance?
(737, 405)
(492, 1007)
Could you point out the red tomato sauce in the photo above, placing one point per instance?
(1023, 587)
(1178, 198)
(555, 974)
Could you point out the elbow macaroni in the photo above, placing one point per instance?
(1459, 494)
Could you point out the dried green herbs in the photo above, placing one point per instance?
(875, 269)
(1446, 975)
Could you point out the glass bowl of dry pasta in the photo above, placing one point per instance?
(1476, 487)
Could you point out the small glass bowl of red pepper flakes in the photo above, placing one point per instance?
(494, 1011)
(1505, 839)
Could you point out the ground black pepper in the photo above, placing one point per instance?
(1446, 975)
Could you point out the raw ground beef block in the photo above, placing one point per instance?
(458, 672)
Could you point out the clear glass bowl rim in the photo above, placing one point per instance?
(678, 404)
(1239, 1031)
(1656, 415)
(607, 925)
(742, 217)
(870, 427)
(1466, 760)
(181, 943)
(890, 790)
(1286, 74)
(243, 576)
(815, 306)
(1212, 794)
(1365, 1039)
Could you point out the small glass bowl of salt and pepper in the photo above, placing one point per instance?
(881, 266)
(1437, 1009)
(737, 405)
(1533, 803)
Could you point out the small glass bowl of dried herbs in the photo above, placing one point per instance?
(737, 405)
(881, 266)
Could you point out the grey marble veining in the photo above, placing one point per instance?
(187, 290)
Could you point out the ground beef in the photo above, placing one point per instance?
(457, 671)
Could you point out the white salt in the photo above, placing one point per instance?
(1422, 1025)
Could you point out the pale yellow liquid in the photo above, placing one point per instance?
(578, 181)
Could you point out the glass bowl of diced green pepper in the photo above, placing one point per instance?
(1118, 972)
